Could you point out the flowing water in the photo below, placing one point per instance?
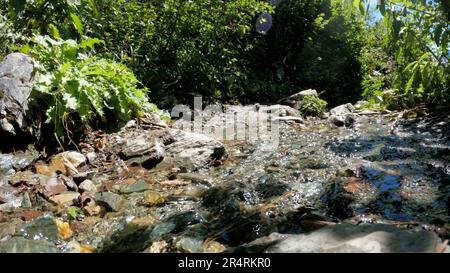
(379, 170)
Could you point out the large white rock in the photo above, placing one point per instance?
(190, 151)
(340, 238)
(16, 82)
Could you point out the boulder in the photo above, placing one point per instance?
(138, 186)
(342, 110)
(67, 162)
(282, 110)
(295, 100)
(344, 238)
(152, 198)
(110, 200)
(41, 228)
(191, 151)
(22, 245)
(16, 82)
(342, 115)
(9, 201)
(88, 185)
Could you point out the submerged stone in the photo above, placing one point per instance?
(139, 186)
(22, 245)
(42, 228)
(345, 238)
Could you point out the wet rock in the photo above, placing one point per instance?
(80, 177)
(342, 110)
(129, 239)
(341, 121)
(349, 238)
(66, 161)
(22, 245)
(281, 110)
(29, 214)
(295, 100)
(290, 119)
(338, 201)
(110, 200)
(142, 145)
(88, 185)
(152, 120)
(16, 81)
(91, 157)
(42, 228)
(300, 95)
(196, 178)
(139, 186)
(94, 210)
(342, 115)
(152, 198)
(10, 201)
(175, 223)
(54, 185)
(393, 153)
(213, 247)
(75, 247)
(139, 146)
(65, 199)
(189, 244)
(71, 185)
(10, 163)
(191, 151)
(6, 164)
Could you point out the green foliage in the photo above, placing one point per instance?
(312, 44)
(313, 106)
(378, 66)
(74, 212)
(181, 48)
(45, 17)
(77, 85)
(8, 38)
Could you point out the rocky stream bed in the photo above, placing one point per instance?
(381, 183)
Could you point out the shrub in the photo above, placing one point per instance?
(313, 106)
(180, 48)
(78, 86)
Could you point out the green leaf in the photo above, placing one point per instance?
(413, 77)
(73, 212)
(25, 49)
(54, 32)
(77, 23)
(362, 8)
(91, 42)
(382, 7)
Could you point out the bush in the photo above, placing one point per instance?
(78, 86)
(180, 49)
(313, 106)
